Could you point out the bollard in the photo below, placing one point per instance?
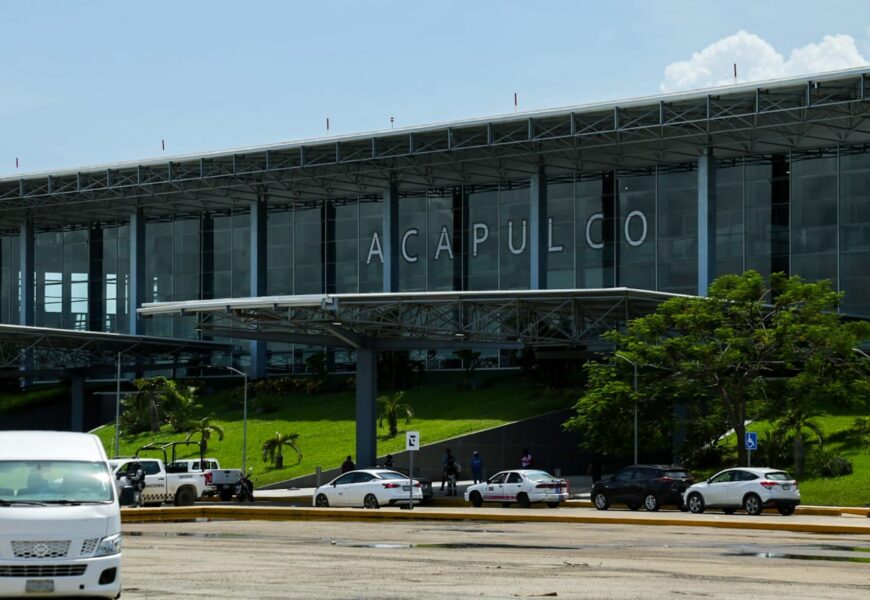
(318, 476)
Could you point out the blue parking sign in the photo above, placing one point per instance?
(751, 440)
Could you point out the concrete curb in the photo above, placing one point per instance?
(250, 513)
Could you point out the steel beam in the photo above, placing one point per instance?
(366, 408)
(390, 242)
(137, 272)
(538, 231)
(259, 210)
(706, 221)
(28, 269)
(77, 402)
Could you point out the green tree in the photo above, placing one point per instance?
(273, 448)
(392, 409)
(206, 429)
(749, 349)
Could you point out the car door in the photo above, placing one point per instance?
(363, 483)
(339, 493)
(742, 482)
(617, 488)
(637, 485)
(513, 485)
(494, 487)
(716, 493)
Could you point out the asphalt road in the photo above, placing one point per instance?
(416, 559)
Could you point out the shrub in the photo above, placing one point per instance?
(828, 464)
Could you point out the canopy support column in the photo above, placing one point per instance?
(706, 221)
(366, 407)
(538, 231)
(390, 236)
(77, 402)
(137, 272)
(258, 280)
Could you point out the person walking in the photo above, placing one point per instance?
(448, 460)
(526, 460)
(348, 465)
(476, 467)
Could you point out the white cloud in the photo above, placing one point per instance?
(756, 59)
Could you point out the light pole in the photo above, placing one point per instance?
(118, 408)
(244, 418)
(634, 366)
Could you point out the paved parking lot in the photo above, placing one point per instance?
(417, 559)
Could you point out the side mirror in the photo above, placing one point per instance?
(127, 496)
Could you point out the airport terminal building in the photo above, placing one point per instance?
(658, 195)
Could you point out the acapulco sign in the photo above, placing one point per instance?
(480, 238)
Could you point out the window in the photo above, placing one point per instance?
(499, 478)
(362, 477)
(744, 476)
(344, 479)
(625, 474)
(514, 478)
(723, 477)
(151, 467)
(778, 476)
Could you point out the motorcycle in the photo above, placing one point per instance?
(246, 489)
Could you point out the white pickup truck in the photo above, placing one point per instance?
(182, 489)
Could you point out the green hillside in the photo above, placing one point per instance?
(326, 423)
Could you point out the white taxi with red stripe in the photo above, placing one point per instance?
(523, 486)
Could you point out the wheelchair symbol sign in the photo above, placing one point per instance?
(751, 440)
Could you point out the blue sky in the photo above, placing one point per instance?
(93, 82)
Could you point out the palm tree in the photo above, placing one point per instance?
(205, 428)
(274, 446)
(793, 421)
(392, 408)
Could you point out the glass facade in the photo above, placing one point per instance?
(805, 213)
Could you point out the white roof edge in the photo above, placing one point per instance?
(580, 108)
(219, 304)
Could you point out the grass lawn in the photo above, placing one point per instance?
(848, 490)
(327, 430)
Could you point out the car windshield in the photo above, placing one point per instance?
(392, 475)
(677, 474)
(58, 482)
(778, 476)
(538, 475)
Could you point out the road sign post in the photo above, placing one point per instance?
(751, 444)
(412, 444)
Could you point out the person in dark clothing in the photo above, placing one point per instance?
(526, 459)
(476, 467)
(594, 469)
(136, 478)
(348, 465)
(448, 460)
(388, 461)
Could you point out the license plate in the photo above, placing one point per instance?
(786, 487)
(39, 586)
(406, 488)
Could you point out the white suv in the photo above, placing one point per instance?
(752, 488)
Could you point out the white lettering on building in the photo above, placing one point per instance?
(589, 242)
(550, 246)
(405, 255)
(444, 244)
(511, 238)
(639, 215)
(477, 240)
(375, 249)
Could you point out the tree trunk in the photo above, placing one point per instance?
(279, 461)
(740, 433)
(153, 417)
(394, 426)
(799, 454)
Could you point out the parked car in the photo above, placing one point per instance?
(650, 486)
(368, 488)
(193, 465)
(523, 486)
(750, 488)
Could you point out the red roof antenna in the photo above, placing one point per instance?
(515, 102)
(327, 124)
(16, 162)
(735, 72)
(163, 145)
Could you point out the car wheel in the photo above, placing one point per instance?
(476, 499)
(650, 502)
(752, 504)
(728, 511)
(321, 501)
(370, 501)
(523, 500)
(695, 504)
(600, 501)
(786, 509)
(553, 504)
(185, 497)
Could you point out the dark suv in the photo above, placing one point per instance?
(649, 486)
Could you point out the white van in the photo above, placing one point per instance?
(60, 518)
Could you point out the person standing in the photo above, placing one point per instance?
(348, 465)
(136, 477)
(448, 461)
(526, 460)
(388, 461)
(476, 467)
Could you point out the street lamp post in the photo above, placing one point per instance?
(634, 367)
(244, 417)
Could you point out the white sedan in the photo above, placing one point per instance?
(523, 486)
(750, 488)
(369, 488)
